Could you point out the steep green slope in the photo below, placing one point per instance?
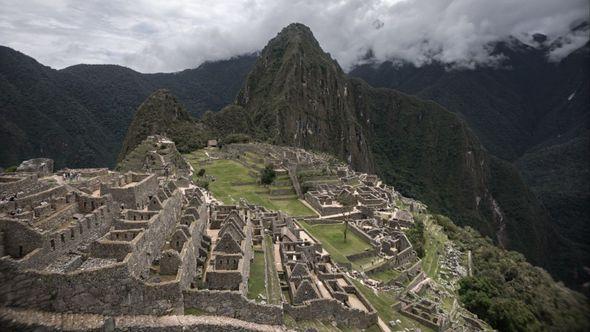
(511, 294)
(39, 118)
(162, 114)
(297, 95)
(529, 111)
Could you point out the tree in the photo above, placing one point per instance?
(268, 175)
(201, 172)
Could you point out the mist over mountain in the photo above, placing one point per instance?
(528, 111)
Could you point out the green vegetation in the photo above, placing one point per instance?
(434, 245)
(553, 159)
(416, 236)
(383, 302)
(230, 181)
(162, 114)
(272, 283)
(256, 282)
(332, 238)
(267, 175)
(194, 312)
(511, 294)
(385, 275)
(10, 169)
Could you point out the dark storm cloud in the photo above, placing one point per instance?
(152, 36)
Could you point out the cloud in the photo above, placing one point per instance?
(152, 36)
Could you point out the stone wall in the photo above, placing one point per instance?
(330, 309)
(87, 291)
(359, 232)
(154, 238)
(361, 255)
(45, 247)
(135, 195)
(233, 304)
(14, 183)
(36, 321)
(317, 221)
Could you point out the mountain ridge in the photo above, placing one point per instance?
(530, 112)
(298, 95)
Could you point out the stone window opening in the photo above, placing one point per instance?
(20, 251)
(63, 238)
(52, 242)
(72, 233)
(81, 230)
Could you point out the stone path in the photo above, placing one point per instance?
(27, 318)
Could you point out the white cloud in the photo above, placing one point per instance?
(151, 36)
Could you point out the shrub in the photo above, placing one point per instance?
(201, 172)
(268, 175)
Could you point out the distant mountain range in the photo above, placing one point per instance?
(294, 93)
(528, 111)
(79, 115)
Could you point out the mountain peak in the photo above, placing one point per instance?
(296, 29)
(162, 114)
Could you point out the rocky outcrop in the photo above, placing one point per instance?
(162, 114)
(298, 95)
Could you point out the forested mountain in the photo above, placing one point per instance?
(529, 111)
(79, 115)
(297, 95)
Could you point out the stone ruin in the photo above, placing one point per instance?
(160, 244)
(142, 242)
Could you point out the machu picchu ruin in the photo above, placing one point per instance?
(167, 247)
(421, 180)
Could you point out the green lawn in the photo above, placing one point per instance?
(229, 172)
(256, 281)
(332, 238)
(368, 263)
(434, 245)
(273, 283)
(385, 276)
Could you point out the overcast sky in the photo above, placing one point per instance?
(171, 35)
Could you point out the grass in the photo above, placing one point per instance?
(434, 245)
(383, 302)
(229, 172)
(332, 238)
(256, 284)
(194, 312)
(385, 276)
(368, 263)
(272, 283)
(322, 326)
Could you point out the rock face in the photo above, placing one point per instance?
(162, 114)
(529, 111)
(298, 95)
(40, 166)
